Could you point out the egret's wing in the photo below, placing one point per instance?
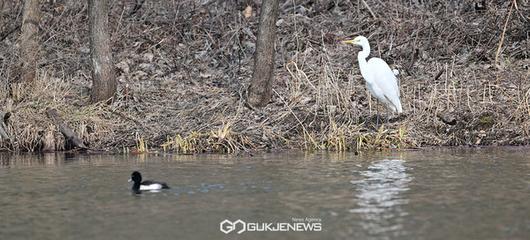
(386, 80)
(384, 76)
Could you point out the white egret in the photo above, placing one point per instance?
(380, 80)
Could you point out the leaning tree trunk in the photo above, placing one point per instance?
(29, 47)
(103, 80)
(260, 89)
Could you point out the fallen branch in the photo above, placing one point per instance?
(69, 134)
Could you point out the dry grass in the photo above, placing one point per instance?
(221, 140)
(141, 145)
(183, 68)
(31, 130)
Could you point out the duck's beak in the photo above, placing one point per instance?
(130, 180)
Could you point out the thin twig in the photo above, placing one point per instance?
(9, 32)
(369, 9)
(439, 74)
(502, 36)
(137, 6)
(518, 12)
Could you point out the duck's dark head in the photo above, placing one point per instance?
(136, 177)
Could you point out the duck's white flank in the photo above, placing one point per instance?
(154, 186)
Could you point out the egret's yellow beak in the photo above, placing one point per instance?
(349, 41)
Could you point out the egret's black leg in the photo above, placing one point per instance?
(377, 120)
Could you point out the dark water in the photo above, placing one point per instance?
(473, 194)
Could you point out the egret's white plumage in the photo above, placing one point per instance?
(380, 80)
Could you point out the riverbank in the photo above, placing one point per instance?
(183, 69)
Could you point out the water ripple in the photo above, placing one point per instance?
(379, 196)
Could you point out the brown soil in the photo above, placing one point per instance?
(183, 68)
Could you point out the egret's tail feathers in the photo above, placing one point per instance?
(394, 104)
(397, 106)
(399, 109)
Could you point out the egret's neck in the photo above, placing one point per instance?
(362, 56)
(364, 53)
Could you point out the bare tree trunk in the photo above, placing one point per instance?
(103, 80)
(29, 44)
(1, 12)
(260, 89)
(2, 16)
